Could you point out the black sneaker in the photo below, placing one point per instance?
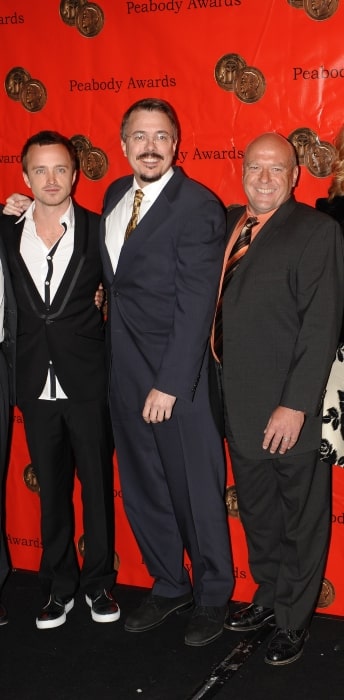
(54, 613)
(206, 625)
(153, 610)
(103, 606)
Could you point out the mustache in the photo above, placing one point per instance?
(148, 154)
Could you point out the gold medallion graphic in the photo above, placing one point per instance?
(302, 138)
(68, 10)
(30, 479)
(14, 82)
(81, 144)
(327, 594)
(320, 9)
(227, 69)
(33, 95)
(319, 157)
(94, 163)
(232, 502)
(89, 19)
(249, 84)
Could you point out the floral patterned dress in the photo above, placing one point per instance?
(332, 439)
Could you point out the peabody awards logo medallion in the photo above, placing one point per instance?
(81, 550)
(232, 74)
(30, 92)
(316, 9)
(87, 17)
(226, 70)
(232, 502)
(320, 9)
(318, 156)
(302, 138)
(93, 161)
(249, 84)
(30, 479)
(327, 594)
(14, 82)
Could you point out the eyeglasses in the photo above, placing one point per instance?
(160, 137)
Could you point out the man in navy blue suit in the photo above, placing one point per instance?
(162, 278)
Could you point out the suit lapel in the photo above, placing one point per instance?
(69, 280)
(269, 231)
(155, 217)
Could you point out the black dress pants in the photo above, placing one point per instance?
(65, 436)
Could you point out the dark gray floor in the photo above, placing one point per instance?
(83, 660)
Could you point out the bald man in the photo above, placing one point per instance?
(281, 316)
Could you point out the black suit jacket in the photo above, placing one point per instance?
(10, 325)
(71, 332)
(333, 207)
(282, 313)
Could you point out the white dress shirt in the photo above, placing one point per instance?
(34, 253)
(118, 219)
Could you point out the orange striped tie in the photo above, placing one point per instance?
(135, 213)
(237, 253)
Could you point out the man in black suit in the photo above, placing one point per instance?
(53, 256)
(161, 279)
(8, 324)
(281, 316)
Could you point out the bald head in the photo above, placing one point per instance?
(269, 173)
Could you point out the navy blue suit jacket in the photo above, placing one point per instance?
(162, 295)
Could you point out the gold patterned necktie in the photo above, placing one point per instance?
(135, 213)
(238, 251)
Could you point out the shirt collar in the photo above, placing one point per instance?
(152, 189)
(67, 218)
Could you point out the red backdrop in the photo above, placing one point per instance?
(232, 69)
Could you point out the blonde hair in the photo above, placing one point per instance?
(337, 185)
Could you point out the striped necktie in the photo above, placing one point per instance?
(238, 251)
(135, 213)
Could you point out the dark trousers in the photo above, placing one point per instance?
(173, 482)
(284, 505)
(62, 436)
(4, 421)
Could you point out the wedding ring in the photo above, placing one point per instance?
(286, 439)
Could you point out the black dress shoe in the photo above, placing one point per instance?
(153, 611)
(3, 615)
(206, 625)
(103, 606)
(252, 617)
(285, 647)
(339, 646)
(54, 613)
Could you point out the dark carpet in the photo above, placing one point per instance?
(83, 660)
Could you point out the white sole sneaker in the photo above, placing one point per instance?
(58, 621)
(97, 617)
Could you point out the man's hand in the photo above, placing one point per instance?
(16, 204)
(99, 297)
(283, 429)
(158, 406)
